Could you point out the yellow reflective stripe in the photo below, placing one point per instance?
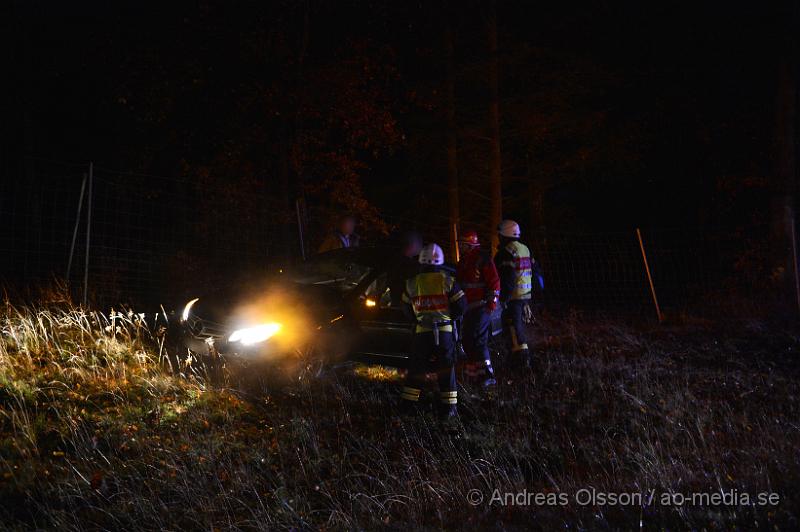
(410, 394)
(427, 328)
(458, 295)
(449, 398)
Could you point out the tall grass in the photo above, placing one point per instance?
(97, 431)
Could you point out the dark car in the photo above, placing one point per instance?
(337, 304)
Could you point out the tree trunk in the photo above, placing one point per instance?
(285, 193)
(495, 162)
(292, 164)
(785, 179)
(536, 200)
(452, 141)
(784, 185)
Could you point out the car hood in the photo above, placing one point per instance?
(239, 306)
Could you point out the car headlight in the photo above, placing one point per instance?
(254, 335)
(188, 308)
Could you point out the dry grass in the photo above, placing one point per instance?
(97, 432)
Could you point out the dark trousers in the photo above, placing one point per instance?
(429, 357)
(516, 335)
(475, 333)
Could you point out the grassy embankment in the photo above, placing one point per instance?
(96, 431)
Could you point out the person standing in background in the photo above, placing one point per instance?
(343, 236)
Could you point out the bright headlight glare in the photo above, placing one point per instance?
(254, 335)
(188, 308)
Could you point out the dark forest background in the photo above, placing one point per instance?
(611, 115)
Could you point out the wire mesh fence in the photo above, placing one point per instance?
(121, 237)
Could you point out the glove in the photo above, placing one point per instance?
(527, 314)
(490, 306)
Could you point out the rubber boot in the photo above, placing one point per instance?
(488, 375)
(409, 401)
(449, 412)
(527, 359)
(408, 408)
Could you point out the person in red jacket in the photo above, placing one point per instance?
(477, 275)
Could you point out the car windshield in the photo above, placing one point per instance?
(337, 270)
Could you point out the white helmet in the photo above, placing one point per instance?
(508, 229)
(431, 254)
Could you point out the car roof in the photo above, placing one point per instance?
(379, 255)
(374, 255)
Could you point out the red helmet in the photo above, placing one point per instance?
(470, 238)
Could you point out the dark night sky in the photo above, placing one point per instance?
(687, 88)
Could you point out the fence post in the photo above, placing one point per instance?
(88, 237)
(300, 229)
(649, 277)
(75, 231)
(455, 243)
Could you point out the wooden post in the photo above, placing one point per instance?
(495, 158)
(649, 277)
(452, 137)
(88, 237)
(455, 243)
(300, 229)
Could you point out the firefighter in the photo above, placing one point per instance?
(478, 277)
(517, 270)
(343, 237)
(434, 298)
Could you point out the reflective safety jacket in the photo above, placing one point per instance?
(478, 277)
(516, 268)
(435, 299)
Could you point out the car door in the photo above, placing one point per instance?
(386, 333)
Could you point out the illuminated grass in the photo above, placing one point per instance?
(377, 373)
(97, 431)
